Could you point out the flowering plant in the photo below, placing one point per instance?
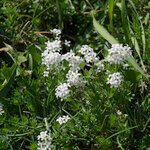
(69, 89)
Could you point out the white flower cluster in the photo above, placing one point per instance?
(54, 46)
(50, 58)
(51, 54)
(89, 54)
(73, 77)
(1, 109)
(74, 60)
(57, 32)
(118, 53)
(63, 119)
(100, 67)
(62, 91)
(44, 141)
(115, 79)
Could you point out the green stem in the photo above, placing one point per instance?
(59, 14)
(46, 124)
(20, 112)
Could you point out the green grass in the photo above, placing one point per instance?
(28, 99)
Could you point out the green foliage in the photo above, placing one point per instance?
(102, 118)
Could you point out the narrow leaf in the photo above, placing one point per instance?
(103, 32)
(4, 88)
(110, 10)
(125, 22)
(133, 62)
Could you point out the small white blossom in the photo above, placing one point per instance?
(118, 53)
(125, 66)
(54, 46)
(73, 77)
(63, 119)
(67, 43)
(68, 56)
(85, 49)
(75, 63)
(115, 79)
(100, 67)
(46, 73)
(62, 91)
(89, 54)
(1, 109)
(125, 115)
(119, 112)
(91, 57)
(44, 141)
(51, 58)
(56, 31)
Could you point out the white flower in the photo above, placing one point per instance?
(118, 53)
(115, 79)
(51, 58)
(68, 56)
(44, 141)
(63, 119)
(54, 46)
(51, 55)
(91, 57)
(85, 49)
(56, 31)
(1, 109)
(119, 112)
(75, 62)
(62, 91)
(100, 67)
(43, 135)
(73, 77)
(89, 54)
(46, 73)
(67, 43)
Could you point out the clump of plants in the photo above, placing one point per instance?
(62, 95)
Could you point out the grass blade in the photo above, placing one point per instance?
(141, 24)
(133, 62)
(125, 22)
(103, 32)
(110, 11)
(115, 134)
(137, 48)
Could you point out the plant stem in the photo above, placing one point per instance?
(59, 14)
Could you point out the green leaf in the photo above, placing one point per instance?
(125, 22)
(11, 52)
(110, 10)
(140, 24)
(103, 32)
(34, 56)
(21, 59)
(4, 88)
(133, 62)
(30, 62)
